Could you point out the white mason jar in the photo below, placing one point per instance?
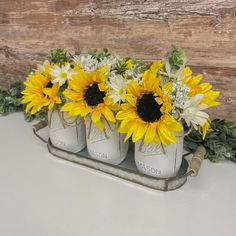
(106, 146)
(159, 160)
(66, 133)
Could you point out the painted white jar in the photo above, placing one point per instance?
(66, 133)
(106, 146)
(159, 160)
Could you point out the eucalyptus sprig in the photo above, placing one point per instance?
(220, 141)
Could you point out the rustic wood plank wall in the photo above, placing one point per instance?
(206, 29)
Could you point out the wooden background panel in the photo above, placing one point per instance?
(205, 29)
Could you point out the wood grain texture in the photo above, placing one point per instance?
(205, 29)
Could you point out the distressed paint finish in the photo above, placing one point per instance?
(205, 29)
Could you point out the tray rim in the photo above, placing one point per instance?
(166, 181)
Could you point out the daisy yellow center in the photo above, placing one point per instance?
(148, 109)
(121, 91)
(93, 96)
(63, 75)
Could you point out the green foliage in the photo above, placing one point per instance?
(99, 55)
(121, 66)
(41, 115)
(220, 142)
(226, 127)
(175, 60)
(10, 101)
(139, 66)
(59, 55)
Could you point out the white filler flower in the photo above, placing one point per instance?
(192, 111)
(61, 74)
(117, 85)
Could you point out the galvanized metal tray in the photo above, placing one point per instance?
(127, 169)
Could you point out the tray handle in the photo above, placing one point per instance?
(40, 125)
(196, 161)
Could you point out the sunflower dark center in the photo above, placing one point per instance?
(148, 109)
(93, 96)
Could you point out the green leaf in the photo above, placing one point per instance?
(10, 99)
(120, 66)
(220, 141)
(58, 55)
(175, 60)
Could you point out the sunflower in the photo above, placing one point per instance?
(193, 83)
(88, 95)
(208, 98)
(40, 92)
(145, 114)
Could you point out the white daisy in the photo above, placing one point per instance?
(109, 62)
(87, 63)
(117, 85)
(61, 74)
(192, 111)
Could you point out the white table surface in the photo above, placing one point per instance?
(41, 195)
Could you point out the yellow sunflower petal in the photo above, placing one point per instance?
(102, 87)
(186, 72)
(72, 95)
(204, 128)
(156, 66)
(123, 127)
(139, 131)
(166, 136)
(168, 87)
(150, 133)
(126, 114)
(96, 115)
(134, 89)
(129, 133)
(70, 106)
(100, 125)
(209, 98)
(51, 106)
(108, 114)
(131, 99)
(172, 124)
(205, 87)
